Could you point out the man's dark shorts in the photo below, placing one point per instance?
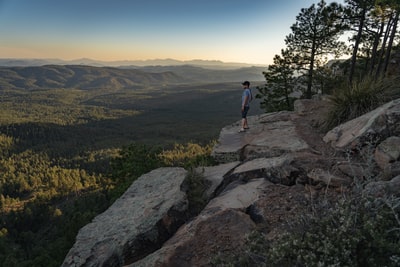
(244, 112)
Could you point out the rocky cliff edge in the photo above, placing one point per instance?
(266, 177)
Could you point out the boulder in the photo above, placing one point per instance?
(369, 128)
(383, 188)
(144, 217)
(328, 179)
(387, 151)
(354, 170)
(390, 171)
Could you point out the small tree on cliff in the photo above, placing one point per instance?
(314, 36)
(280, 84)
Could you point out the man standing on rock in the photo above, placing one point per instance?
(246, 98)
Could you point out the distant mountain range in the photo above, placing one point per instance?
(15, 62)
(130, 77)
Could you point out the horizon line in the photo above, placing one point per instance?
(135, 60)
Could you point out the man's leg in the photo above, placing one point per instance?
(244, 124)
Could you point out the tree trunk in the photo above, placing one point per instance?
(356, 44)
(390, 45)
(311, 70)
(383, 47)
(374, 52)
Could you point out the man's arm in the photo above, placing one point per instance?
(245, 101)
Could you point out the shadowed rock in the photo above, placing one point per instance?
(223, 223)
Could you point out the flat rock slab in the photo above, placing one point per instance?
(270, 135)
(263, 164)
(116, 236)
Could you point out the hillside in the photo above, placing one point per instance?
(82, 77)
(89, 77)
(193, 73)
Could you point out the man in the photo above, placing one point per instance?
(246, 98)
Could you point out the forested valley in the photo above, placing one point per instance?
(61, 151)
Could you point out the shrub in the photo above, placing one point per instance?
(359, 98)
(353, 101)
(195, 185)
(355, 231)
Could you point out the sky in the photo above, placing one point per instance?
(227, 30)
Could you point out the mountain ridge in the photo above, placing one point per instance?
(90, 77)
(25, 62)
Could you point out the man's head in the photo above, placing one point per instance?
(246, 83)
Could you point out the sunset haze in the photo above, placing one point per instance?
(230, 31)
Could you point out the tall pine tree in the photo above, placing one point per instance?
(280, 84)
(315, 36)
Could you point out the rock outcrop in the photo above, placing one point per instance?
(264, 139)
(144, 217)
(266, 177)
(372, 127)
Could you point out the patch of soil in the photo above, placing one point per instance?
(309, 125)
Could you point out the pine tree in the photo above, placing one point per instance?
(315, 36)
(280, 84)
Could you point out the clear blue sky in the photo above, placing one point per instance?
(248, 31)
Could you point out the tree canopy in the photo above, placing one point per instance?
(364, 31)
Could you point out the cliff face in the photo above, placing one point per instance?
(266, 177)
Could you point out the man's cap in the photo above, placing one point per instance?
(246, 83)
